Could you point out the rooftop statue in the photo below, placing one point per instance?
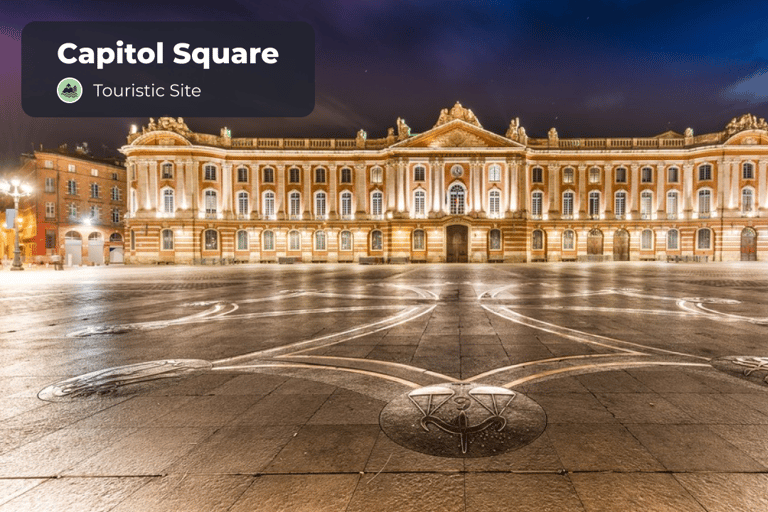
(168, 124)
(457, 112)
(745, 122)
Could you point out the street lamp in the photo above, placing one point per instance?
(16, 189)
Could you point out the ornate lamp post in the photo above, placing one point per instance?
(16, 190)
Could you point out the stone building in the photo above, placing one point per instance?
(455, 193)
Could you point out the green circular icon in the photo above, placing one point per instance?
(69, 90)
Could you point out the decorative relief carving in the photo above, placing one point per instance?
(457, 139)
(457, 112)
(745, 122)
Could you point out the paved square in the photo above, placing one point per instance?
(615, 386)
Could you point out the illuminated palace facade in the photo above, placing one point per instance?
(455, 193)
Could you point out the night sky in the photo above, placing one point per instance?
(590, 69)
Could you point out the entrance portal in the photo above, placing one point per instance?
(457, 244)
(595, 245)
(621, 245)
(748, 245)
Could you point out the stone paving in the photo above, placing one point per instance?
(623, 386)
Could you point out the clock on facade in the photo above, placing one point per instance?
(457, 171)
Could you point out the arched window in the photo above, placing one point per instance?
(494, 173)
(494, 203)
(319, 240)
(537, 240)
(747, 200)
(166, 171)
(494, 240)
(345, 241)
(456, 200)
(268, 241)
(209, 172)
(594, 204)
(294, 204)
(569, 240)
(705, 172)
(115, 238)
(377, 243)
(168, 203)
(646, 204)
(419, 203)
(320, 205)
(346, 204)
(620, 204)
(568, 175)
(705, 203)
(294, 175)
(646, 175)
(537, 198)
(211, 203)
(242, 240)
(419, 173)
(242, 203)
(747, 171)
(167, 239)
(269, 204)
(704, 239)
(646, 240)
(672, 203)
(377, 175)
(242, 175)
(346, 175)
(673, 240)
(294, 240)
(376, 200)
(211, 240)
(419, 240)
(94, 236)
(567, 210)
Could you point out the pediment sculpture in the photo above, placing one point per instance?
(457, 112)
(458, 139)
(745, 122)
(168, 124)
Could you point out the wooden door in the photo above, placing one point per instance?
(457, 248)
(595, 245)
(748, 245)
(621, 245)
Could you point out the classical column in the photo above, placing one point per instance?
(554, 190)
(437, 192)
(391, 183)
(513, 178)
(659, 190)
(226, 188)
(634, 184)
(255, 195)
(360, 189)
(193, 178)
(400, 186)
(687, 190)
(431, 187)
(280, 195)
(579, 207)
(143, 185)
(332, 214)
(735, 171)
(153, 188)
(481, 173)
(607, 196)
(526, 188)
(408, 174)
(179, 185)
(307, 191)
(762, 186)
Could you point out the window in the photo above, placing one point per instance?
(269, 175)
(536, 201)
(747, 171)
(269, 204)
(646, 240)
(346, 175)
(242, 240)
(242, 203)
(319, 240)
(594, 204)
(703, 239)
(116, 193)
(211, 206)
(646, 204)
(673, 175)
(704, 203)
(567, 204)
(209, 173)
(376, 200)
(419, 203)
(494, 203)
(294, 204)
(166, 171)
(294, 175)
(537, 175)
(494, 173)
(569, 240)
(71, 167)
(456, 200)
(94, 212)
(345, 241)
(50, 185)
(376, 241)
(72, 210)
(319, 175)
(94, 172)
(747, 200)
(621, 175)
(377, 175)
(646, 175)
(294, 241)
(419, 173)
(672, 204)
(494, 240)
(115, 215)
(133, 240)
(568, 175)
(211, 238)
(48, 164)
(72, 187)
(705, 172)
(268, 241)
(537, 242)
(673, 240)
(50, 210)
(95, 190)
(116, 238)
(114, 176)
(167, 237)
(168, 206)
(320, 205)
(50, 239)
(346, 204)
(594, 175)
(242, 175)
(620, 204)
(419, 240)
